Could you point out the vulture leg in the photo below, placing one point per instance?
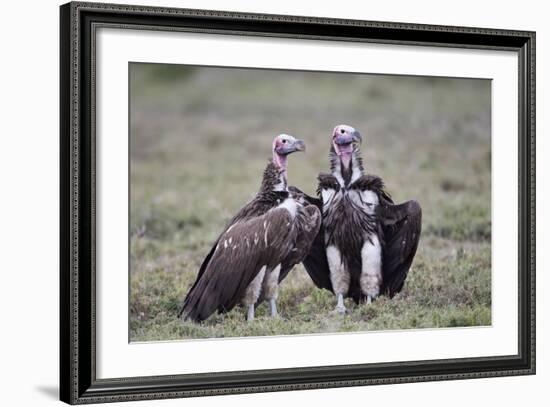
(371, 272)
(273, 307)
(271, 289)
(340, 307)
(339, 278)
(252, 293)
(250, 313)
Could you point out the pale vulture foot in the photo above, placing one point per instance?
(250, 313)
(273, 308)
(340, 310)
(340, 307)
(368, 299)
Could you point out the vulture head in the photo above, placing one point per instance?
(344, 140)
(283, 145)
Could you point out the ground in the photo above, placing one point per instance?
(200, 138)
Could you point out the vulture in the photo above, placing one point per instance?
(258, 247)
(366, 243)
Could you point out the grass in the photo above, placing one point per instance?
(200, 138)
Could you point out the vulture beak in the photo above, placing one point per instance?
(299, 145)
(343, 139)
(291, 146)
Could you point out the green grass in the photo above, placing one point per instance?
(200, 139)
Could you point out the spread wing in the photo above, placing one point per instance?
(401, 225)
(237, 257)
(315, 263)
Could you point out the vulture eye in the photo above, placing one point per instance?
(342, 131)
(284, 141)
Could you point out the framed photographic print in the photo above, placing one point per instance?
(256, 203)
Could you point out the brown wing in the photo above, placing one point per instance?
(401, 226)
(256, 207)
(308, 222)
(315, 263)
(239, 255)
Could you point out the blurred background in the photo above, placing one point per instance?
(200, 138)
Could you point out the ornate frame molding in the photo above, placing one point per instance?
(77, 210)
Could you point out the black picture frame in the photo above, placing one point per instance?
(78, 382)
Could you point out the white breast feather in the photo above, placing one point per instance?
(281, 185)
(327, 195)
(356, 172)
(370, 200)
(290, 205)
(338, 175)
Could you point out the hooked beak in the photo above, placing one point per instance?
(291, 147)
(299, 145)
(348, 138)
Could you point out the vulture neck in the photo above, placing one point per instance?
(275, 175)
(347, 167)
(281, 161)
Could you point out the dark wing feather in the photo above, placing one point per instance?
(308, 221)
(256, 207)
(242, 250)
(373, 183)
(315, 263)
(401, 226)
(204, 264)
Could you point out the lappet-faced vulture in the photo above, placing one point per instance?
(366, 243)
(258, 247)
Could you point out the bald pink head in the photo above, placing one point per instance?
(283, 145)
(344, 139)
